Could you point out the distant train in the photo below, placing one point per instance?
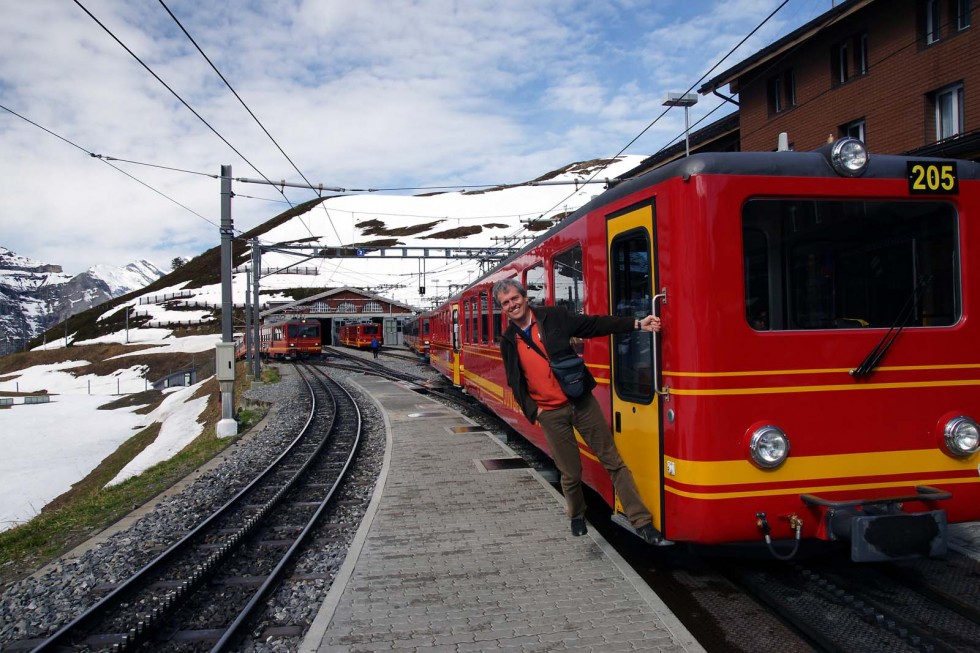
(415, 335)
(290, 339)
(360, 335)
(817, 374)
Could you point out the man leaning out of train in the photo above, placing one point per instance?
(534, 332)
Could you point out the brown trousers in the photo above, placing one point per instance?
(587, 417)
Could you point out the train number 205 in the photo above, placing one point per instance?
(932, 178)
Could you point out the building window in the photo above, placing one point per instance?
(962, 14)
(840, 63)
(933, 21)
(775, 95)
(949, 112)
(854, 129)
(373, 307)
(782, 91)
(861, 53)
(789, 78)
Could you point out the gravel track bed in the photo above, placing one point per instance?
(35, 606)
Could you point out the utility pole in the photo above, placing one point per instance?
(225, 350)
(256, 327)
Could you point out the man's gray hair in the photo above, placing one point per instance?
(506, 284)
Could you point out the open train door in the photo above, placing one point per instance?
(636, 421)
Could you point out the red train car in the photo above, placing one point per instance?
(360, 335)
(416, 334)
(817, 374)
(290, 339)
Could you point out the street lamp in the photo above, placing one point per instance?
(687, 101)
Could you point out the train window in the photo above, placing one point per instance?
(474, 321)
(567, 280)
(832, 264)
(425, 327)
(484, 318)
(303, 330)
(630, 267)
(534, 283)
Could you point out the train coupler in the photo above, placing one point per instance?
(880, 529)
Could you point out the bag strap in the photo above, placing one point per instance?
(530, 343)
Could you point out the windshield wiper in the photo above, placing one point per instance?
(874, 357)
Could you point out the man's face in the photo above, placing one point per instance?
(513, 304)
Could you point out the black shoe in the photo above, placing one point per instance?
(648, 534)
(578, 527)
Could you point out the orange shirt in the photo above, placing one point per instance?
(541, 383)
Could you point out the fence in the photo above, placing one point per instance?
(156, 299)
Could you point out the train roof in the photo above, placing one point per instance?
(770, 164)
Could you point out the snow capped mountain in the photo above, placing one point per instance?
(123, 280)
(34, 296)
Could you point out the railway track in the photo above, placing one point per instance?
(930, 605)
(203, 592)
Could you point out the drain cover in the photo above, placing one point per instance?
(467, 429)
(500, 464)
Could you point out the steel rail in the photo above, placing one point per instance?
(63, 637)
(235, 630)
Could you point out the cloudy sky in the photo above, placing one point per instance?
(368, 94)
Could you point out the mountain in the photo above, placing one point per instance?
(34, 296)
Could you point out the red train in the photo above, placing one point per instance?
(817, 374)
(360, 335)
(416, 335)
(290, 339)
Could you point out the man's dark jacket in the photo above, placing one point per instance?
(556, 326)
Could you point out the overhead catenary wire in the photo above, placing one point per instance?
(250, 112)
(173, 92)
(106, 160)
(689, 89)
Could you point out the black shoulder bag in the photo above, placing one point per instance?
(569, 370)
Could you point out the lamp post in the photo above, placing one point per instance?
(686, 100)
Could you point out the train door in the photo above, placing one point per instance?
(454, 355)
(631, 241)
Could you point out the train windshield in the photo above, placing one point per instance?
(832, 264)
(303, 331)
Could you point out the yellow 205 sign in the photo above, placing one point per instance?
(933, 177)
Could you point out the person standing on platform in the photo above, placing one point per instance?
(548, 329)
(375, 346)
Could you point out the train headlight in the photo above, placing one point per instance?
(768, 446)
(849, 157)
(961, 435)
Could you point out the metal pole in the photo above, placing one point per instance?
(256, 327)
(227, 426)
(226, 234)
(248, 319)
(127, 325)
(687, 129)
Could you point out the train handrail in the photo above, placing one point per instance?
(657, 372)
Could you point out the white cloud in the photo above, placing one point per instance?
(372, 93)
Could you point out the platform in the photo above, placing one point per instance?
(452, 556)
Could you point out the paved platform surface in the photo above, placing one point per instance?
(452, 557)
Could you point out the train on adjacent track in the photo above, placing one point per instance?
(289, 339)
(415, 335)
(816, 378)
(360, 335)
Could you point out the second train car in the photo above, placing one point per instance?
(360, 335)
